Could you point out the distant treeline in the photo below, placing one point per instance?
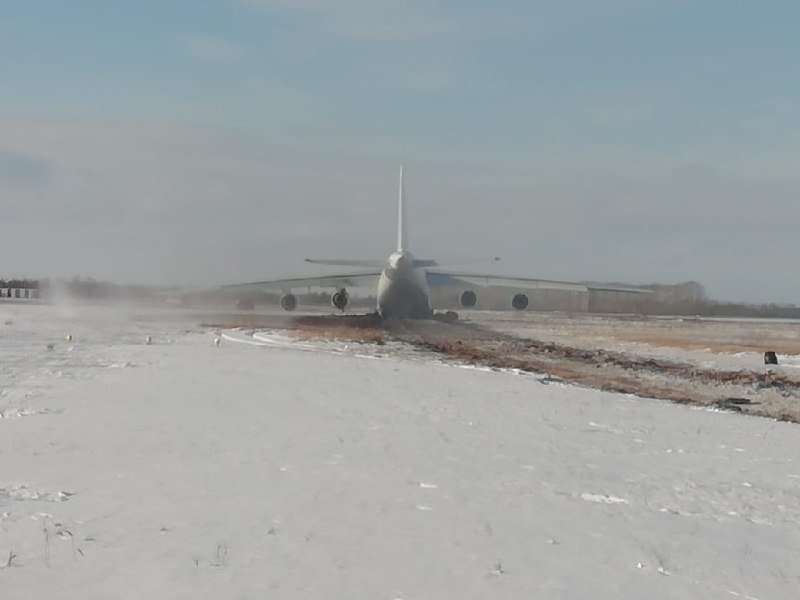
(92, 289)
(690, 298)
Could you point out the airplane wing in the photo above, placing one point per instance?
(444, 278)
(369, 264)
(364, 279)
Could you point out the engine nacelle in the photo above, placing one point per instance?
(468, 299)
(340, 299)
(288, 302)
(519, 301)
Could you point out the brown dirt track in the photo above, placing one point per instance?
(605, 353)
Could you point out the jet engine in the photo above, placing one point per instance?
(340, 299)
(468, 299)
(519, 301)
(288, 302)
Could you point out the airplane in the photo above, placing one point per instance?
(404, 281)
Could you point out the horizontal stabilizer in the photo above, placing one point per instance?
(452, 263)
(424, 262)
(369, 264)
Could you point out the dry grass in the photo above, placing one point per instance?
(620, 371)
(349, 328)
(340, 333)
(781, 346)
(627, 373)
(245, 322)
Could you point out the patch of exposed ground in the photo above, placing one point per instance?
(760, 392)
(684, 343)
(766, 393)
(692, 334)
(356, 328)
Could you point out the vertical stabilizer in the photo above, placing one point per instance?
(402, 240)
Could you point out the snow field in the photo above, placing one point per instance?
(183, 469)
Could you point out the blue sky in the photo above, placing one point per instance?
(629, 140)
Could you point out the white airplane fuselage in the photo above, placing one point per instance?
(403, 289)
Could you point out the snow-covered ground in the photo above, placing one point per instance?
(725, 344)
(267, 468)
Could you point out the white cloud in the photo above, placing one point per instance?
(438, 73)
(363, 20)
(374, 21)
(22, 170)
(621, 114)
(213, 49)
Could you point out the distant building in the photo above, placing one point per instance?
(19, 293)
(14, 293)
(19, 289)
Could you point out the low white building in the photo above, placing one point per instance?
(19, 293)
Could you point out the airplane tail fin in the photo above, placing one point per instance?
(462, 262)
(371, 264)
(402, 239)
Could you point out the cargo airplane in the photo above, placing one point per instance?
(404, 281)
